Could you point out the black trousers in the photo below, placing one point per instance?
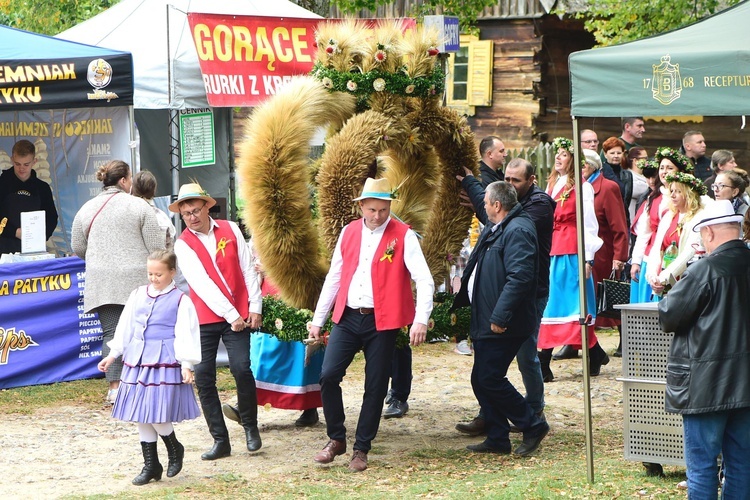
(356, 331)
(499, 399)
(401, 373)
(238, 351)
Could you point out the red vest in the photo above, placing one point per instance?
(564, 236)
(228, 262)
(654, 216)
(391, 280)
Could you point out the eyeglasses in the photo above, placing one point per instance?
(719, 187)
(193, 213)
(592, 141)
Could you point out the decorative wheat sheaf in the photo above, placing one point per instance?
(378, 92)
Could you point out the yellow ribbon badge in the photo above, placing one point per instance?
(221, 245)
(389, 251)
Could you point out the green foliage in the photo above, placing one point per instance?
(50, 17)
(615, 21)
(291, 324)
(466, 10)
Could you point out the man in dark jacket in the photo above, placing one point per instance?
(499, 279)
(21, 191)
(540, 207)
(708, 368)
(492, 151)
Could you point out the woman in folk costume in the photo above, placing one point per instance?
(688, 199)
(158, 338)
(613, 228)
(560, 319)
(647, 221)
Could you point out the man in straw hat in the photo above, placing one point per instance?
(369, 288)
(224, 287)
(709, 360)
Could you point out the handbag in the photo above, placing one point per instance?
(609, 293)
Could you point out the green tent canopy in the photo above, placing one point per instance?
(701, 69)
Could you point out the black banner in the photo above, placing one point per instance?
(76, 82)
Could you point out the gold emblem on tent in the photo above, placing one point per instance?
(666, 84)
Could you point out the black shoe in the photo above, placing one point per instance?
(566, 352)
(474, 428)
(618, 352)
(396, 409)
(308, 418)
(483, 447)
(252, 435)
(531, 439)
(388, 397)
(597, 358)
(231, 412)
(653, 470)
(220, 449)
(516, 430)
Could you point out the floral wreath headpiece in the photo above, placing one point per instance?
(649, 167)
(562, 143)
(695, 184)
(680, 160)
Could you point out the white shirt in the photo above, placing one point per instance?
(187, 344)
(360, 288)
(198, 278)
(591, 240)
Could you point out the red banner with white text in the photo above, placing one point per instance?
(245, 59)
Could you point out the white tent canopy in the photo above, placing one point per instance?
(157, 33)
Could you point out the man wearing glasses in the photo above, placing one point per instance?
(589, 140)
(224, 287)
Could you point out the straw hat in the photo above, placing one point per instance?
(192, 191)
(718, 212)
(380, 189)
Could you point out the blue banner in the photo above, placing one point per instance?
(45, 336)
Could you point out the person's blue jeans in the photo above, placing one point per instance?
(529, 366)
(706, 435)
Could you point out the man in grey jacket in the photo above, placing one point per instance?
(708, 368)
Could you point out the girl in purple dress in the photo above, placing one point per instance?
(158, 338)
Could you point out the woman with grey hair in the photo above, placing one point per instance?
(613, 227)
(114, 233)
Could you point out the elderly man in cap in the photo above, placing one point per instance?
(709, 360)
(224, 287)
(369, 288)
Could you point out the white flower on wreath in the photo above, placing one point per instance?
(309, 325)
(454, 319)
(327, 83)
(430, 324)
(409, 89)
(278, 324)
(379, 84)
(380, 56)
(351, 85)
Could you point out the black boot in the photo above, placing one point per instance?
(152, 469)
(218, 429)
(545, 355)
(618, 351)
(597, 358)
(566, 352)
(176, 453)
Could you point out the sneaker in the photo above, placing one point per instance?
(463, 348)
(111, 396)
